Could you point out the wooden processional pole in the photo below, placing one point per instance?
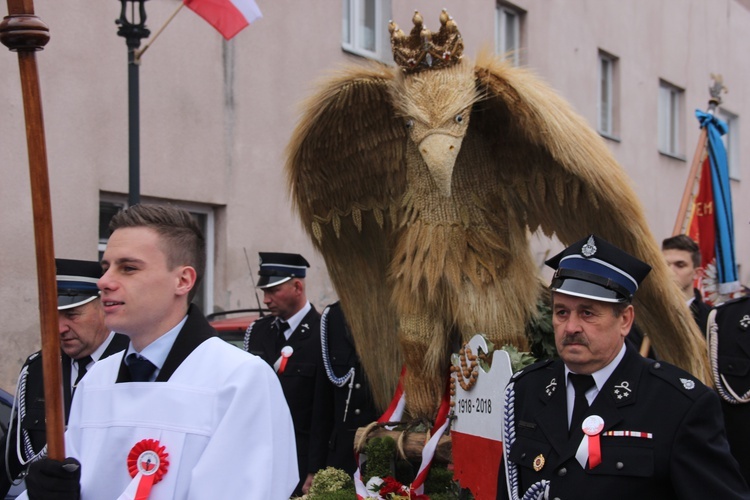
(23, 32)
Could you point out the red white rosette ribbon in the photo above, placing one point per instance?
(147, 464)
(280, 365)
(590, 448)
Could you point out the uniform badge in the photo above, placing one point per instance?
(745, 322)
(551, 387)
(687, 383)
(589, 249)
(622, 390)
(538, 462)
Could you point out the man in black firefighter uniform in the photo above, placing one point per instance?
(84, 340)
(343, 401)
(602, 421)
(289, 341)
(729, 352)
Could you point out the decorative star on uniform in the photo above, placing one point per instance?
(622, 390)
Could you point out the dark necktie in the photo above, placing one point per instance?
(280, 325)
(140, 368)
(581, 384)
(82, 364)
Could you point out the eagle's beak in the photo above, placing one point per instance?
(439, 152)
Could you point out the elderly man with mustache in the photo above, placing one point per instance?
(602, 421)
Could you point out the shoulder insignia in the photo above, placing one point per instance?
(745, 322)
(678, 378)
(688, 384)
(33, 357)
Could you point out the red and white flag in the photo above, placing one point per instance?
(229, 17)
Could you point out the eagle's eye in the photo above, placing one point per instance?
(409, 124)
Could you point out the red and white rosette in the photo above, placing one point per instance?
(590, 449)
(147, 464)
(280, 365)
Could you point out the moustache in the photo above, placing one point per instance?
(576, 338)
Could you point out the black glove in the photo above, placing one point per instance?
(54, 480)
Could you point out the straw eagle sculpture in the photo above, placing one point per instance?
(419, 185)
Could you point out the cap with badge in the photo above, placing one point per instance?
(277, 268)
(76, 282)
(596, 269)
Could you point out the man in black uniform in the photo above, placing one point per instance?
(729, 352)
(684, 260)
(84, 339)
(343, 400)
(289, 341)
(602, 421)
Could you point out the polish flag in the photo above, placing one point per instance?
(229, 17)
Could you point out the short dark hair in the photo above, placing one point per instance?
(183, 239)
(685, 243)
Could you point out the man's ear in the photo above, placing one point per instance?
(185, 280)
(626, 320)
(700, 272)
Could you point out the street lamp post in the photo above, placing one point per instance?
(133, 31)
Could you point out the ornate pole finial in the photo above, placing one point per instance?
(715, 90)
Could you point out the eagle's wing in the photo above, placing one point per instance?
(346, 172)
(556, 170)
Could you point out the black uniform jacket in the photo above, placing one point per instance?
(339, 411)
(731, 362)
(32, 405)
(700, 311)
(686, 457)
(298, 379)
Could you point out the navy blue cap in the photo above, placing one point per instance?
(596, 269)
(277, 268)
(76, 282)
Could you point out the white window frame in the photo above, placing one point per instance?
(670, 118)
(209, 235)
(606, 123)
(351, 14)
(507, 15)
(732, 142)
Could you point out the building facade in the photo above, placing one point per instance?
(215, 117)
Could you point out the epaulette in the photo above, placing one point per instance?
(533, 367)
(732, 301)
(33, 357)
(683, 381)
(264, 319)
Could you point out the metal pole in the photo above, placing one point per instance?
(133, 30)
(134, 126)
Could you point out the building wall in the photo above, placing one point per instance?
(216, 117)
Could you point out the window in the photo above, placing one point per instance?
(608, 95)
(364, 28)
(670, 116)
(109, 205)
(732, 142)
(508, 33)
